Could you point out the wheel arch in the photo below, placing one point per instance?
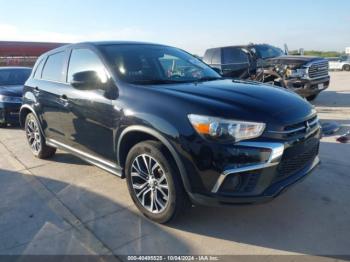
(24, 111)
(143, 133)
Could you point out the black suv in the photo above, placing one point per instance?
(174, 128)
(305, 75)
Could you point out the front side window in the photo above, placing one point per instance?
(268, 51)
(9, 77)
(153, 64)
(53, 69)
(83, 60)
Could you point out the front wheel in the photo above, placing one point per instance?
(154, 183)
(36, 139)
(346, 67)
(311, 98)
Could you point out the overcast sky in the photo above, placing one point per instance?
(193, 25)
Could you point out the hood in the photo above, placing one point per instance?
(16, 90)
(242, 100)
(293, 60)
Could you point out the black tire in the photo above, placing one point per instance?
(311, 98)
(346, 67)
(3, 125)
(36, 140)
(175, 202)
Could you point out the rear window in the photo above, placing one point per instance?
(53, 69)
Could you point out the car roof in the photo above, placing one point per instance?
(15, 67)
(99, 43)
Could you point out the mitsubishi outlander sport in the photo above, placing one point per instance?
(168, 123)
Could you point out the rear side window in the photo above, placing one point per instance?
(208, 56)
(234, 56)
(216, 59)
(84, 60)
(53, 69)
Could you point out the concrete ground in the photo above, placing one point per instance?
(66, 206)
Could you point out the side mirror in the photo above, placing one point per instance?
(86, 80)
(217, 70)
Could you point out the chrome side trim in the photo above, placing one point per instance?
(277, 150)
(104, 164)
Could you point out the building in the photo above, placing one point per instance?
(347, 50)
(23, 53)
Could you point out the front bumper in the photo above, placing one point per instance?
(268, 168)
(9, 113)
(308, 87)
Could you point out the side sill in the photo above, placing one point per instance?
(96, 161)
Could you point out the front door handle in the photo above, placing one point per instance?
(64, 98)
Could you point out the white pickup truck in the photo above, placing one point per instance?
(340, 63)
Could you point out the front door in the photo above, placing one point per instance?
(93, 118)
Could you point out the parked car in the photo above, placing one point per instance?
(11, 86)
(305, 75)
(173, 127)
(340, 63)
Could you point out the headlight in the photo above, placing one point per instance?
(300, 72)
(10, 99)
(225, 130)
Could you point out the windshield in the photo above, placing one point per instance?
(13, 76)
(268, 51)
(154, 64)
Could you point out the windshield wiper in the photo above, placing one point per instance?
(208, 78)
(154, 82)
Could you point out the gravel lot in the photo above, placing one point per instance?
(65, 206)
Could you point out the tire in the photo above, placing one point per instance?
(3, 125)
(311, 98)
(36, 139)
(142, 183)
(346, 67)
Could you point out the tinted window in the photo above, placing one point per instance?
(39, 69)
(84, 60)
(13, 76)
(234, 55)
(153, 64)
(53, 69)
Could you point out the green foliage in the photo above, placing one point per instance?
(317, 53)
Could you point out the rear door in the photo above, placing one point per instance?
(49, 88)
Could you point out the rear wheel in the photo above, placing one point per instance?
(154, 183)
(346, 67)
(36, 139)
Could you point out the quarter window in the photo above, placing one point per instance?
(84, 60)
(53, 69)
(39, 69)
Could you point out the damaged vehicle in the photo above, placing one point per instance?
(305, 75)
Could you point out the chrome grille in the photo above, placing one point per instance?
(304, 128)
(318, 69)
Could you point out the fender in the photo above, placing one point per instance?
(28, 107)
(165, 142)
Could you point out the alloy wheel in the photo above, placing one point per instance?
(149, 183)
(33, 135)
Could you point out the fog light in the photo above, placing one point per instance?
(233, 182)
